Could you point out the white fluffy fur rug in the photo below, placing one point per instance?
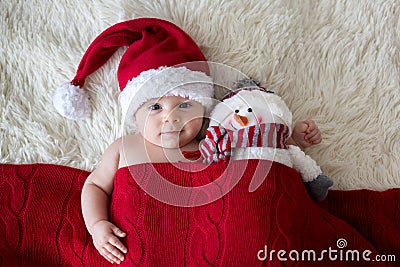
(336, 62)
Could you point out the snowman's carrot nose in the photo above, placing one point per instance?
(242, 120)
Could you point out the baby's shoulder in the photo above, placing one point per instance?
(132, 150)
(129, 139)
(120, 142)
(126, 141)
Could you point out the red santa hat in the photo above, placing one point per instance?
(161, 60)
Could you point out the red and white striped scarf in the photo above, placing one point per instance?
(219, 142)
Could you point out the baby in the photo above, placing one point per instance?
(166, 92)
(167, 126)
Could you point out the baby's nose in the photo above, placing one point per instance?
(172, 117)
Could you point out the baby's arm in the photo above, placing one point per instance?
(305, 134)
(95, 199)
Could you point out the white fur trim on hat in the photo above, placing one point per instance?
(72, 102)
(166, 81)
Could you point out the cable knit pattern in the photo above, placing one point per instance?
(41, 222)
(207, 237)
(134, 216)
(40, 217)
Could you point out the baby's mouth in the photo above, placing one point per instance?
(170, 132)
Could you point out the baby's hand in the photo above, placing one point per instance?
(306, 133)
(105, 239)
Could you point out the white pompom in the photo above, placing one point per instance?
(72, 102)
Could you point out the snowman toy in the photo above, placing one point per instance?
(254, 123)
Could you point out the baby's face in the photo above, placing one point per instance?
(170, 121)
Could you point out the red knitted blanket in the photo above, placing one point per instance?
(276, 225)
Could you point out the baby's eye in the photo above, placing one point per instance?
(249, 109)
(155, 107)
(185, 105)
(236, 111)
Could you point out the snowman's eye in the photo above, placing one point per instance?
(236, 111)
(249, 109)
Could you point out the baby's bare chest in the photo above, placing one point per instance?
(135, 151)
